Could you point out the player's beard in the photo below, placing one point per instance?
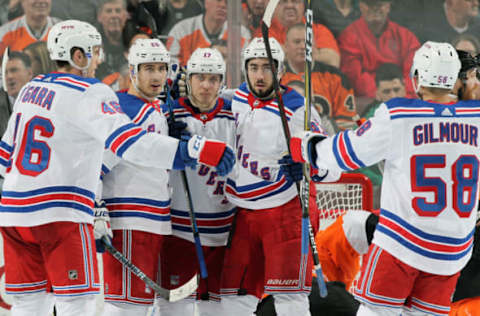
(261, 95)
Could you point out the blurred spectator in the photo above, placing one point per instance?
(442, 23)
(40, 58)
(83, 10)
(15, 9)
(31, 27)
(332, 95)
(18, 72)
(112, 15)
(468, 43)
(177, 10)
(335, 14)
(201, 31)
(291, 12)
(147, 14)
(390, 84)
(253, 11)
(373, 40)
(119, 79)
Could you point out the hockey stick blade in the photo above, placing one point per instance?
(4, 69)
(269, 10)
(172, 295)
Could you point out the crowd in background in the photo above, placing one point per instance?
(363, 49)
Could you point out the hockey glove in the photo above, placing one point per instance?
(303, 149)
(179, 86)
(101, 227)
(208, 152)
(292, 170)
(177, 129)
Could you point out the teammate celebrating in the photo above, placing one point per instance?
(203, 113)
(429, 192)
(52, 151)
(137, 197)
(265, 253)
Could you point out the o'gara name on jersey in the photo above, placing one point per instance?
(36, 95)
(445, 132)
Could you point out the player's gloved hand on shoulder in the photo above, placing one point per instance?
(179, 85)
(177, 129)
(101, 226)
(206, 151)
(292, 170)
(302, 147)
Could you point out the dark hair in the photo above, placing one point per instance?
(130, 30)
(388, 72)
(22, 56)
(63, 63)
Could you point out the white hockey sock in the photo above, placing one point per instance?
(119, 309)
(292, 304)
(185, 307)
(241, 305)
(77, 305)
(32, 304)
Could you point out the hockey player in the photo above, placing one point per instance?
(137, 197)
(265, 253)
(429, 192)
(52, 155)
(206, 114)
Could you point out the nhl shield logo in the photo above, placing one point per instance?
(256, 103)
(73, 274)
(204, 117)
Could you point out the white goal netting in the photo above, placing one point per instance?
(351, 192)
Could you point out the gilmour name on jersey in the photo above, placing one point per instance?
(445, 132)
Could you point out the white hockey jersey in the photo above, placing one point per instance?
(430, 184)
(138, 197)
(257, 182)
(214, 213)
(53, 147)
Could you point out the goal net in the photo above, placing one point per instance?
(352, 192)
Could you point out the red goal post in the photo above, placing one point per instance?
(353, 191)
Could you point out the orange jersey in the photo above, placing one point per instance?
(16, 35)
(190, 34)
(466, 307)
(323, 38)
(332, 94)
(339, 260)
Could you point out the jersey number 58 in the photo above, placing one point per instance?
(464, 184)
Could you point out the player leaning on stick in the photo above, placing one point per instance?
(202, 112)
(429, 192)
(52, 153)
(137, 197)
(265, 251)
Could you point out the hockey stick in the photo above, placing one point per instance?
(170, 295)
(307, 231)
(188, 195)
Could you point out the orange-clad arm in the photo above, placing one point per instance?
(340, 262)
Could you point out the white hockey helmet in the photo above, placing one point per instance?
(256, 49)
(66, 35)
(206, 61)
(146, 50)
(436, 65)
